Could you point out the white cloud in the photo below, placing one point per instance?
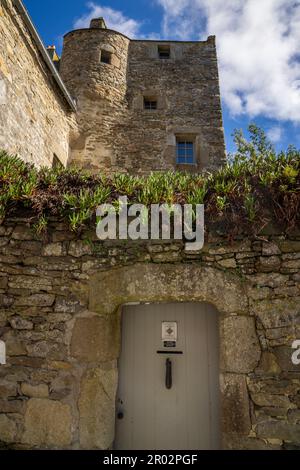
(114, 19)
(258, 47)
(275, 134)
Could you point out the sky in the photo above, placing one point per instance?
(258, 43)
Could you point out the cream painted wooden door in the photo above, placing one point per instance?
(150, 414)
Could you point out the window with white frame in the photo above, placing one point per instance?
(185, 151)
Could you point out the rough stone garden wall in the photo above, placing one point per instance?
(60, 319)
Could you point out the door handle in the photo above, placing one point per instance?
(120, 415)
(169, 379)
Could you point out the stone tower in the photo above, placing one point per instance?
(143, 105)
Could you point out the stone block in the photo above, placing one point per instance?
(22, 232)
(8, 389)
(32, 362)
(12, 406)
(14, 346)
(241, 346)
(235, 405)
(268, 264)
(32, 283)
(284, 358)
(8, 429)
(294, 416)
(47, 349)
(269, 400)
(269, 280)
(35, 391)
(289, 246)
(229, 263)
(53, 249)
(273, 386)
(270, 249)
(19, 323)
(39, 300)
(95, 339)
(237, 442)
(3, 282)
(67, 305)
(268, 365)
(236, 247)
(259, 293)
(274, 429)
(97, 408)
(79, 248)
(47, 424)
(277, 313)
(291, 264)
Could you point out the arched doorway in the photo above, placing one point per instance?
(144, 283)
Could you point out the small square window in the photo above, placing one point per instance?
(185, 152)
(164, 52)
(150, 103)
(105, 57)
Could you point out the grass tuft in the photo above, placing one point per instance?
(256, 186)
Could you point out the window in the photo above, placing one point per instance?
(150, 103)
(164, 52)
(105, 57)
(185, 152)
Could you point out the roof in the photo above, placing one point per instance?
(39, 43)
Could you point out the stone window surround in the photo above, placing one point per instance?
(188, 138)
(150, 103)
(151, 51)
(152, 95)
(189, 134)
(105, 57)
(114, 60)
(239, 356)
(164, 51)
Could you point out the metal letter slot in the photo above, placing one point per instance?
(168, 374)
(170, 352)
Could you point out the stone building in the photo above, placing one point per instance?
(142, 106)
(36, 110)
(103, 337)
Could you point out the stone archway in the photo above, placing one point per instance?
(167, 282)
(96, 339)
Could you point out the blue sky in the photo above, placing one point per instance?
(259, 65)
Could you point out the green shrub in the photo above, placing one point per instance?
(255, 186)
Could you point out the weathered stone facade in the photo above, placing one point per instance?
(35, 118)
(60, 316)
(111, 130)
(115, 132)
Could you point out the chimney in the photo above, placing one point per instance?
(54, 56)
(98, 23)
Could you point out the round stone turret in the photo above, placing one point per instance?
(94, 68)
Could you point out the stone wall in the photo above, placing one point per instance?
(60, 312)
(34, 116)
(115, 132)
(100, 90)
(111, 131)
